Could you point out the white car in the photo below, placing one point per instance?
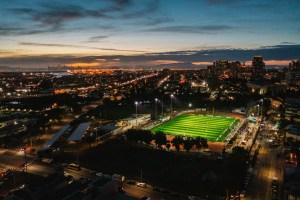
(141, 185)
(243, 193)
(99, 174)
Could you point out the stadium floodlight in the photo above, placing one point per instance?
(156, 108)
(171, 103)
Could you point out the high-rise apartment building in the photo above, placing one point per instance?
(292, 76)
(258, 67)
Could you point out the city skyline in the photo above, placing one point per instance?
(146, 33)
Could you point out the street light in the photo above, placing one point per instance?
(258, 110)
(171, 96)
(190, 105)
(156, 108)
(136, 105)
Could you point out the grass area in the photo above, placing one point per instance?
(210, 127)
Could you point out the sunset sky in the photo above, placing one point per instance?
(147, 32)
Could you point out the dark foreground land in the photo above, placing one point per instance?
(186, 173)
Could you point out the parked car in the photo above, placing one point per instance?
(99, 174)
(243, 193)
(141, 185)
(130, 182)
(145, 198)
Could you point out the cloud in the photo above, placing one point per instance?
(9, 30)
(287, 43)
(272, 55)
(97, 38)
(77, 46)
(53, 17)
(205, 29)
(221, 2)
(147, 9)
(156, 21)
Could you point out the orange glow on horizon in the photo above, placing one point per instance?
(272, 62)
(165, 62)
(202, 63)
(93, 64)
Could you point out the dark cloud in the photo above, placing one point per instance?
(156, 21)
(76, 46)
(15, 30)
(147, 9)
(100, 37)
(52, 17)
(7, 29)
(208, 29)
(221, 2)
(21, 10)
(277, 52)
(283, 43)
(123, 2)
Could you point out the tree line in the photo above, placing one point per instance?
(160, 139)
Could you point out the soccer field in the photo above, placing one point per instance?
(211, 127)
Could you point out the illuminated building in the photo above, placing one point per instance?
(258, 68)
(293, 74)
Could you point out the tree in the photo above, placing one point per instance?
(132, 135)
(139, 135)
(239, 152)
(204, 143)
(146, 136)
(198, 143)
(177, 141)
(168, 145)
(188, 144)
(160, 139)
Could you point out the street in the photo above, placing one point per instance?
(268, 166)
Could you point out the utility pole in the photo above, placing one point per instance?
(104, 101)
(25, 160)
(156, 108)
(162, 105)
(136, 105)
(171, 96)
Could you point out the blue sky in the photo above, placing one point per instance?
(147, 32)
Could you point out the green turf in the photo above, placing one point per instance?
(211, 127)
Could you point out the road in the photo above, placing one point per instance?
(138, 192)
(268, 165)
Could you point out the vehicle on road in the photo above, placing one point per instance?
(47, 160)
(7, 173)
(99, 174)
(74, 166)
(243, 193)
(25, 164)
(141, 185)
(144, 198)
(84, 180)
(130, 182)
